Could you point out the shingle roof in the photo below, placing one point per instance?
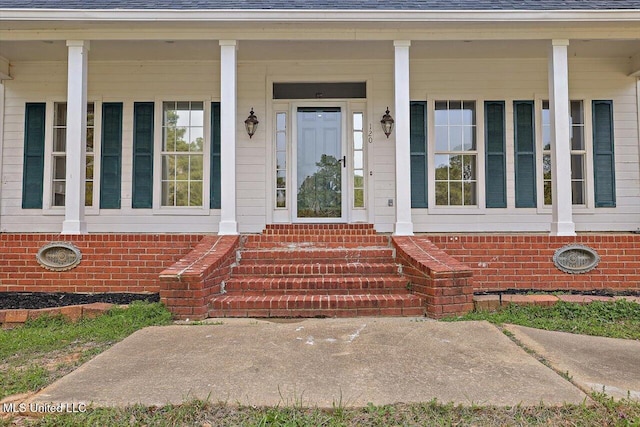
(436, 5)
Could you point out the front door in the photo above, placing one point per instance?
(320, 165)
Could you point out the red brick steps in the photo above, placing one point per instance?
(326, 285)
(316, 305)
(316, 270)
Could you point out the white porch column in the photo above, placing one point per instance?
(228, 223)
(404, 224)
(562, 219)
(74, 222)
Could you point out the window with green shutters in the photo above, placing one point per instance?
(525, 154)
(143, 137)
(495, 146)
(33, 166)
(603, 154)
(418, 146)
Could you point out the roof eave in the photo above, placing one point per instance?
(269, 15)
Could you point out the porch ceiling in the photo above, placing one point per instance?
(50, 50)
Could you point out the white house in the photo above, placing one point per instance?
(127, 116)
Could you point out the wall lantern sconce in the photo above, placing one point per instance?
(387, 123)
(251, 124)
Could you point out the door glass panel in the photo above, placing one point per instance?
(319, 163)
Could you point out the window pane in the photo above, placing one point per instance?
(455, 193)
(442, 167)
(546, 166)
(182, 136)
(169, 139)
(577, 192)
(281, 160)
(469, 168)
(59, 139)
(90, 140)
(168, 167)
(357, 140)
(182, 167)
(469, 113)
(442, 193)
(182, 114)
(58, 193)
(455, 168)
(182, 193)
(197, 114)
(455, 113)
(168, 194)
(469, 135)
(88, 194)
(358, 179)
(576, 113)
(469, 193)
(281, 179)
(358, 198)
(358, 162)
(577, 138)
(195, 193)
(90, 114)
(281, 121)
(357, 121)
(455, 138)
(89, 168)
(281, 141)
(59, 167)
(547, 192)
(196, 167)
(441, 114)
(281, 199)
(577, 166)
(442, 138)
(60, 114)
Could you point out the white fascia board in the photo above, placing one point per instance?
(250, 15)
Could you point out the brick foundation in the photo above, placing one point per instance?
(110, 262)
(501, 262)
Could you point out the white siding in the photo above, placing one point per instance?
(490, 79)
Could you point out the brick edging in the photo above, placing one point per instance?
(15, 317)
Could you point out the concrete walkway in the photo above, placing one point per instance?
(315, 362)
(594, 363)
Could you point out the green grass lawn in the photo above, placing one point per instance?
(620, 319)
(45, 349)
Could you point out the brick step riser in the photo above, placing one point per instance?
(319, 313)
(315, 254)
(355, 285)
(316, 292)
(265, 245)
(322, 260)
(346, 233)
(315, 270)
(313, 239)
(316, 302)
(285, 227)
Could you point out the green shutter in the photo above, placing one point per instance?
(215, 188)
(33, 166)
(495, 175)
(603, 155)
(525, 154)
(418, 143)
(111, 156)
(142, 155)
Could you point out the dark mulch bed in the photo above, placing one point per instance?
(34, 300)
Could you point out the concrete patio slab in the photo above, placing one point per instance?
(315, 362)
(594, 363)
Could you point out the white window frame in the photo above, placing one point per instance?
(158, 209)
(480, 207)
(47, 203)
